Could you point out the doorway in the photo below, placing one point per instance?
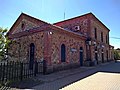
(63, 51)
(32, 50)
(102, 57)
(81, 56)
(107, 55)
(96, 57)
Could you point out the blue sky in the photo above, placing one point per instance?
(108, 11)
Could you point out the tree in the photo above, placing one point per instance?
(4, 43)
(116, 55)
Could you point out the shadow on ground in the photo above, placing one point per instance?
(25, 84)
(113, 67)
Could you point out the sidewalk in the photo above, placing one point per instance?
(61, 74)
(64, 73)
(59, 79)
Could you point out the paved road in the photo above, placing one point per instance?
(102, 77)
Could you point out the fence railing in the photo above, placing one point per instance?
(19, 70)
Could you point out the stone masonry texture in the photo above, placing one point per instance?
(74, 34)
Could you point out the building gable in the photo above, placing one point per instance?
(25, 23)
(97, 22)
(78, 24)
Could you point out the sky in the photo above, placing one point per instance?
(51, 11)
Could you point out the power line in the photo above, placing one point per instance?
(115, 37)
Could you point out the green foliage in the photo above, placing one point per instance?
(4, 43)
(116, 55)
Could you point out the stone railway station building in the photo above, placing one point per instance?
(82, 40)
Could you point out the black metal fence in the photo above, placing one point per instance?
(19, 70)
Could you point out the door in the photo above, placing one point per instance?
(107, 54)
(102, 57)
(102, 54)
(96, 57)
(81, 56)
(63, 51)
(31, 61)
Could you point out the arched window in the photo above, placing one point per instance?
(23, 25)
(63, 51)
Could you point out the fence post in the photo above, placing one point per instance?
(44, 67)
(12, 74)
(21, 71)
(9, 76)
(7, 72)
(3, 78)
(0, 72)
(36, 68)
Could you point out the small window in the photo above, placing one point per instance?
(95, 48)
(102, 51)
(102, 36)
(77, 28)
(23, 26)
(95, 33)
(106, 39)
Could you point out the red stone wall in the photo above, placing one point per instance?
(87, 23)
(71, 25)
(20, 48)
(99, 44)
(49, 38)
(71, 42)
(27, 25)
